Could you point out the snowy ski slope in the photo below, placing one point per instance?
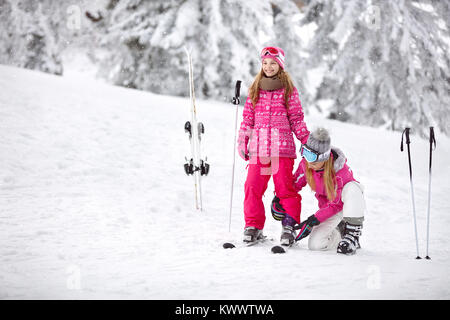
(95, 204)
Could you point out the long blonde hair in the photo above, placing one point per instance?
(329, 178)
(285, 79)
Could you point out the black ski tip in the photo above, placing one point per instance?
(428, 258)
(228, 245)
(418, 258)
(278, 249)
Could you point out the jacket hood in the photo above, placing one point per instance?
(339, 158)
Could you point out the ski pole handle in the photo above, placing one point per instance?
(237, 92)
(405, 132)
(432, 138)
(432, 141)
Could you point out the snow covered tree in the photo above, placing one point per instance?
(285, 20)
(387, 62)
(28, 38)
(146, 39)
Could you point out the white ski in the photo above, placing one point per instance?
(195, 165)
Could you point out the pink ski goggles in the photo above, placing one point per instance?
(270, 51)
(275, 53)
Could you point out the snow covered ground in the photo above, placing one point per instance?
(94, 203)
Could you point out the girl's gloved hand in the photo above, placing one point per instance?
(278, 212)
(243, 148)
(306, 227)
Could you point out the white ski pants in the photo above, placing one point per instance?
(325, 236)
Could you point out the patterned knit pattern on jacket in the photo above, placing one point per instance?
(269, 125)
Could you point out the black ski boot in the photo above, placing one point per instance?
(350, 240)
(252, 234)
(341, 228)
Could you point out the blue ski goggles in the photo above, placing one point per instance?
(311, 155)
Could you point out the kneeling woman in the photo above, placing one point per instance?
(338, 222)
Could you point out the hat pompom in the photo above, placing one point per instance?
(319, 140)
(321, 134)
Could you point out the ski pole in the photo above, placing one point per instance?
(406, 132)
(236, 102)
(432, 141)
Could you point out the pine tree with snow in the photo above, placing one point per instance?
(145, 40)
(387, 62)
(286, 17)
(28, 38)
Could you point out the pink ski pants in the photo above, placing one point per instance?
(260, 169)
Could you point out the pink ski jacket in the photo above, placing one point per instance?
(344, 175)
(269, 126)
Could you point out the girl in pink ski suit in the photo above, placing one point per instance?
(271, 114)
(338, 221)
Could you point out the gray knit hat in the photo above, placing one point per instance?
(319, 141)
